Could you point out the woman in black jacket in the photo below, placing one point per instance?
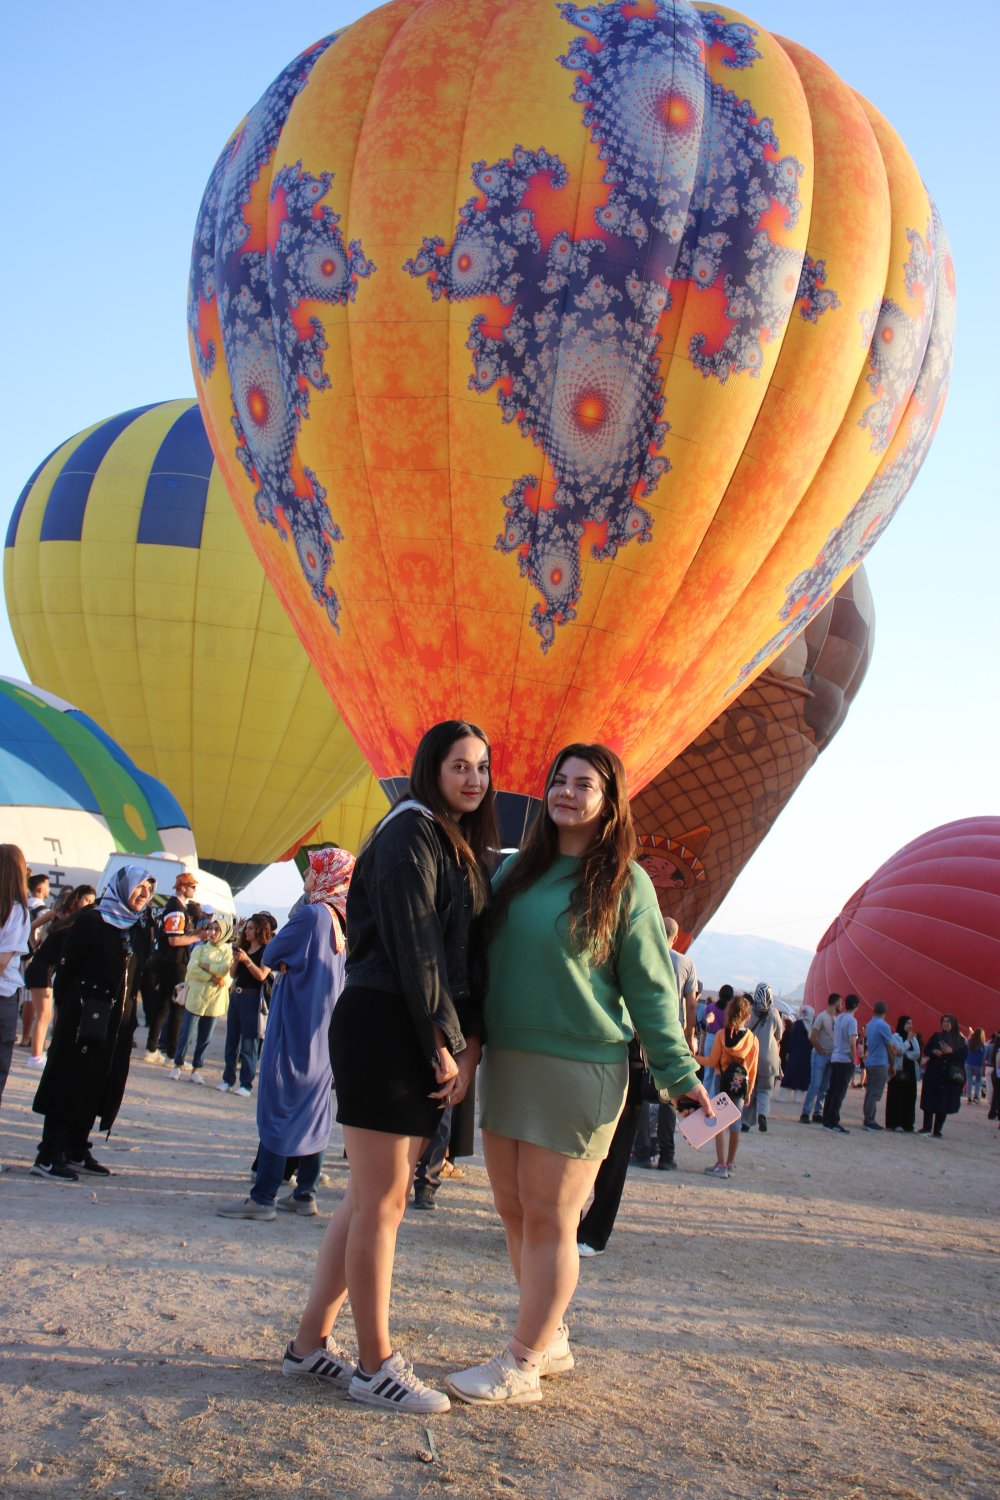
(87, 1064)
(944, 1077)
(405, 1041)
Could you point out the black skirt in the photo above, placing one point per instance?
(381, 1074)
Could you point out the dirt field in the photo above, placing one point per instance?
(826, 1323)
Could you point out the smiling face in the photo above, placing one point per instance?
(464, 775)
(576, 800)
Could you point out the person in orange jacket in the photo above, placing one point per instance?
(734, 1058)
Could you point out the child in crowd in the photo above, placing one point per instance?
(733, 1059)
(206, 997)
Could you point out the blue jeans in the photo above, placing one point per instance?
(206, 1025)
(428, 1172)
(819, 1082)
(973, 1080)
(271, 1170)
(242, 1023)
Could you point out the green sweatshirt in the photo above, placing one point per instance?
(544, 997)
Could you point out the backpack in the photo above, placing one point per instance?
(734, 1081)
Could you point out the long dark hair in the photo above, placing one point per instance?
(475, 836)
(599, 901)
(13, 880)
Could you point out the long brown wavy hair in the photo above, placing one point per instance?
(475, 836)
(599, 902)
(13, 880)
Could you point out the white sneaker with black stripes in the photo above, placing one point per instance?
(395, 1386)
(324, 1363)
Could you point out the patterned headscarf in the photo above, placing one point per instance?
(113, 905)
(332, 870)
(762, 997)
(807, 1015)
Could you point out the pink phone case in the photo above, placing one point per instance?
(697, 1129)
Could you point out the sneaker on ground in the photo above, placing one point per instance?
(197, 1078)
(224, 1087)
(35, 1062)
(762, 1123)
(324, 1363)
(423, 1197)
(246, 1208)
(243, 1093)
(871, 1127)
(586, 1250)
(88, 1163)
(175, 1072)
(803, 1119)
(394, 1385)
(292, 1205)
(817, 1119)
(58, 1171)
(500, 1379)
(558, 1357)
(719, 1170)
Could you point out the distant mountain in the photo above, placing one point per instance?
(743, 961)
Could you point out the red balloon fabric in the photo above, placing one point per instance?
(923, 934)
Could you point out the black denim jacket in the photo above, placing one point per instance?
(410, 929)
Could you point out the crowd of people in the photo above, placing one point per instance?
(399, 984)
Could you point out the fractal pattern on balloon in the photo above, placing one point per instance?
(909, 364)
(574, 359)
(274, 362)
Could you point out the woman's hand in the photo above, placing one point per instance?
(446, 1073)
(699, 1094)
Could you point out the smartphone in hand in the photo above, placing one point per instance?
(697, 1128)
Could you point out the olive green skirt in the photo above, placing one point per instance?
(567, 1106)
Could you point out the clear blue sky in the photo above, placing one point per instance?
(114, 114)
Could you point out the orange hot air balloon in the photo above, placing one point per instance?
(562, 362)
(701, 819)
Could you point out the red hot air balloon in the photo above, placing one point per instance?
(923, 934)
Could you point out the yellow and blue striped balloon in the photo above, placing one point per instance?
(133, 591)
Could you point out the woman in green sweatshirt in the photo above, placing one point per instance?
(578, 959)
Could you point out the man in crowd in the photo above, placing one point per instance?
(843, 1061)
(821, 1038)
(666, 1119)
(879, 1054)
(180, 930)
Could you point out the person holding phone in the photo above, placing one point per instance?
(405, 1042)
(577, 954)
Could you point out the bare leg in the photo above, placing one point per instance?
(501, 1165)
(41, 1006)
(359, 1246)
(734, 1141)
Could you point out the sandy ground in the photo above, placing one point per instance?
(826, 1323)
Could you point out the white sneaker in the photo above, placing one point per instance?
(498, 1380)
(224, 1087)
(558, 1357)
(175, 1072)
(394, 1385)
(243, 1093)
(585, 1250)
(719, 1170)
(35, 1062)
(324, 1363)
(197, 1078)
(155, 1058)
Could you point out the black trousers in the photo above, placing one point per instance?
(65, 1134)
(840, 1081)
(934, 1122)
(163, 1016)
(599, 1220)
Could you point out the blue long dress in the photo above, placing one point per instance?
(294, 1102)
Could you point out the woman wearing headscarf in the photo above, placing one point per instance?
(43, 963)
(206, 992)
(294, 1099)
(944, 1077)
(798, 1056)
(86, 1067)
(15, 931)
(765, 1023)
(901, 1095)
